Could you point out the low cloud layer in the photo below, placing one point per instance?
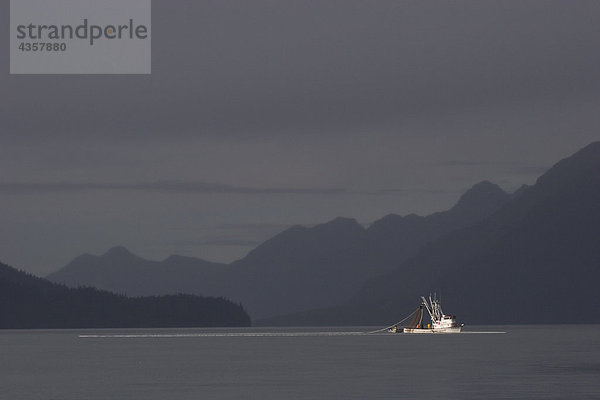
(20, 188)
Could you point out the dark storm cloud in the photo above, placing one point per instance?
(18, 188)
(255, 68)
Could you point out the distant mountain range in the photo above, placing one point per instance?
(534, 260)
(29, 302)
(299, 269)
(533, 256)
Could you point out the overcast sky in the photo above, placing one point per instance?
(263, 114)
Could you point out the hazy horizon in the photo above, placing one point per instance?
(273, 228)
(267, 230)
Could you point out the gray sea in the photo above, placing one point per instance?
(525, 362)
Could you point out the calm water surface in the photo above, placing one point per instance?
(527, 362)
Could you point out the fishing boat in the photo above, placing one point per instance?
(440, 322)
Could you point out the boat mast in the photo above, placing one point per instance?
(433, 307)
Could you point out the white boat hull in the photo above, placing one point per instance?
(456, 329)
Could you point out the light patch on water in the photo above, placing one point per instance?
(252, 334)
(226, 334)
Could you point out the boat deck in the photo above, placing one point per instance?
(418, 330)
